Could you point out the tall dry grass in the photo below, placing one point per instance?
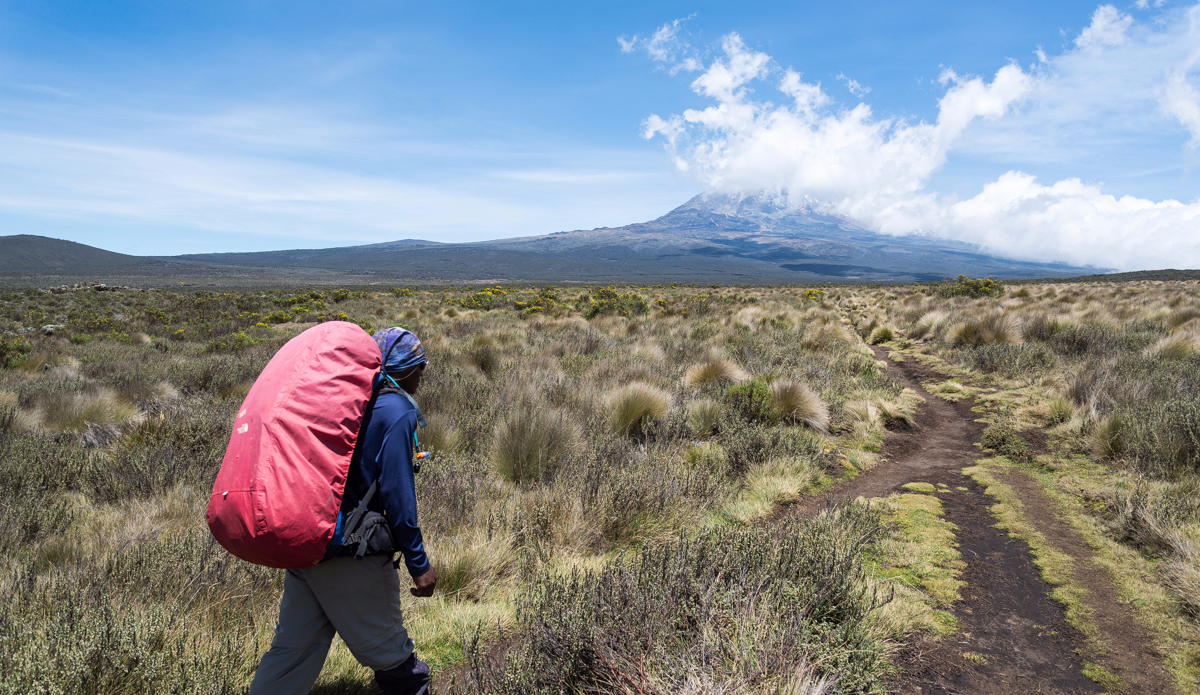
(532, 441)
(714, 372)
(558, 443)
(796, 401)
(636, 406)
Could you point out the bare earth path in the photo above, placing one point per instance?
(1013, 638)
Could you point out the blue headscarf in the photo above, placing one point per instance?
(401, 349)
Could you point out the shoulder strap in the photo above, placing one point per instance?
(420, 416)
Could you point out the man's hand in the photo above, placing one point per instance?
(424, 583)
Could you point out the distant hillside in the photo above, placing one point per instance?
(29, 253)
(339, 257)
(746, 239)
(1169, 274)
(711, 238)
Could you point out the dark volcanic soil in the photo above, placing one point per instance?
(1013, 638)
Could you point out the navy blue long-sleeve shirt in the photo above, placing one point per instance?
(385, 453)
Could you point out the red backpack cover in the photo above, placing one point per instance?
(277, 496)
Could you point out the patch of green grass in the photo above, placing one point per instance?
(922, 554)
(951, 390)
(1111, 681)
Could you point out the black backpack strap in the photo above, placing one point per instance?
(354, 530)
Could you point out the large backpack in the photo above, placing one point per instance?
(278, 493)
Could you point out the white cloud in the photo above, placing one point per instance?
(853, 85)
(1180, 99)
(877, 169)
(1074, 220)
(1107, 29)
(848, 157)
(1102, 111)
(666, 47)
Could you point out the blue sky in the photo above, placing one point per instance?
(173, 127)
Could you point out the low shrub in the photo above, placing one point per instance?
(607, 301)
(1006, 359)
(1002, 438)
(485, 300)
(740, 603)
(12, 351)
(974, 288)
(1161, 435)
(1082, 340)
(232, 343)
(751, 400)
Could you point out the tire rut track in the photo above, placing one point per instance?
(1013, 638)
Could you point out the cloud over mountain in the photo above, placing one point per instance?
(878, 169)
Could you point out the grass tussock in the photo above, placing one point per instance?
(714, 372)
(635, 406)
(991, 329)
(797, 402)
(704, 416)
(881, 334)
(532, 441)
(1176, 347)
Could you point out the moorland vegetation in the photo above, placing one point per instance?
(610, 464)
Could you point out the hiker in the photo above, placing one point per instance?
(359, 597)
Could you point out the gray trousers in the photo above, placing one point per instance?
(357, 599)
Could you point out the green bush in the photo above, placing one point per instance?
(608, 301)
(12, 350)
(751, 400)
(485, 300)
(232, 343)
(1002, 438)
(974, 288)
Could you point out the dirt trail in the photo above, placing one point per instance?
(1013, 637)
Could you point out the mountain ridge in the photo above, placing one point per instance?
(755, 238)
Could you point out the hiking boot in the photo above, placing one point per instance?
(409, 678)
